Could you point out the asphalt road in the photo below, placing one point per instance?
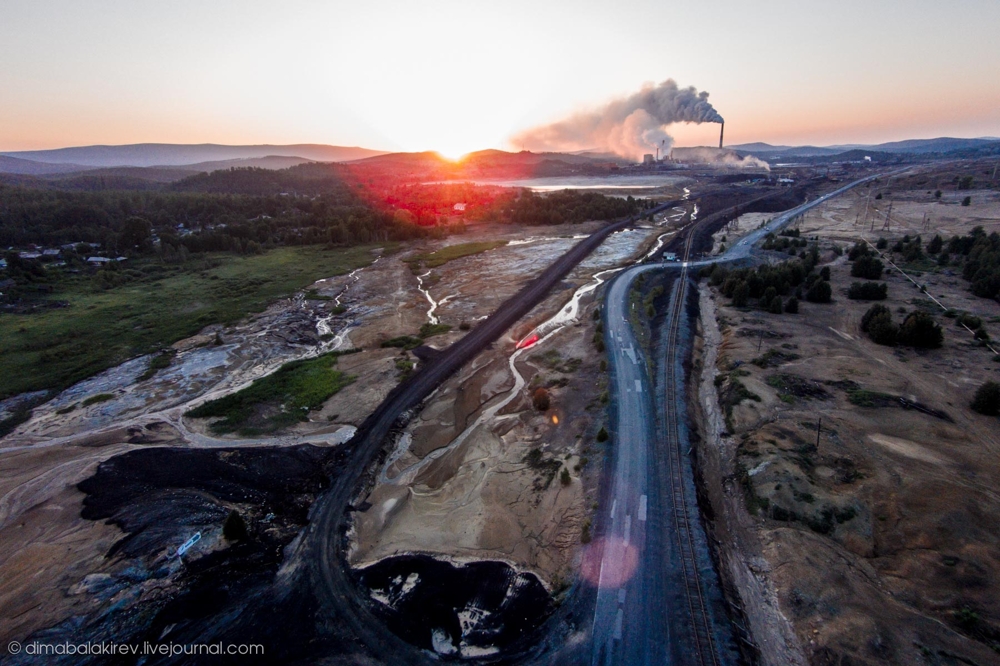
(641, 615)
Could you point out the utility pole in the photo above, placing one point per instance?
(760, 340)
(819, 429)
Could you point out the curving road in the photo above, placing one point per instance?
(659, 599)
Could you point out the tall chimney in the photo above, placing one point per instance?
(722, 131)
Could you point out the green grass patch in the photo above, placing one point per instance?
(865, 398)
(55, 348)
(450, 253)
(159, 362)
(100, 397)
(430, 330)
(404, 342)
(278, 400)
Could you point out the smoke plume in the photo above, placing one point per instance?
(629, 126)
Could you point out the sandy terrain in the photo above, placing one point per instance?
(881, 543)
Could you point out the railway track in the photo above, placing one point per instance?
(702, 640)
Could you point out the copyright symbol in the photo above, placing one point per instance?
(13, 647)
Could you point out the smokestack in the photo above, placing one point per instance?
(722, 131)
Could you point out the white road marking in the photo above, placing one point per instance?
(628, 528)
(638, 386)
(618, 625)
(621, 595)
(642, 508)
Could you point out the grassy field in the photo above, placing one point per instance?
(278, 400)
(446, 254)
(161, 304)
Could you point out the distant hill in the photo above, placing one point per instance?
(26, 167)
(484, 164)
(171, 154)
(908, 147)
(270, 162)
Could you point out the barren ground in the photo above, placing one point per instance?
(881, 542)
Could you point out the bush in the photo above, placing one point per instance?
(602, 435)
(937, 194)
(871, 313)
(881, 244)
(920, 330)
(825, 273)
(882, 330)
(967, 201)
(868, 291)
(540, 399)
(966, 319)
(867, 267)
(564, 477)
(776, 305)
(820, 292)
(987, 399)
(792, 306)
(860, 249)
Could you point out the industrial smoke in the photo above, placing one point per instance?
(629, 126)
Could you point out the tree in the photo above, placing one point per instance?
(920, 330)
(868, 291)
(965, 183)
(987, 399)
(935, 245)
(937, 194)
(540, 399)
(777, 307)
(967, 201)
(792, 306)
(867, 267)
(825, 273)
(881, 244)
(882, 330)
(602, 435)
(871, 313)
(819, 292)
(769, 295)
(741, 294)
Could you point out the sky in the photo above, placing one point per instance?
(462, 76)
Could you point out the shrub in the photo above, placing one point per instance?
(987, 399)
(860, 249)
(868, 291)
(967, 201)
(935, 245)
(540, 399)
(871, 313)
(792, 306)
(825, 273)
(464, 326)
(769, 295)
(564, 477)
(881, 244)
(882, 330)
(776, 305)
(867, 267)
(920, 330)
(937, 194)
(969, 320)
(602, 435)
(820, 292)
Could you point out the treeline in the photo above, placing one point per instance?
(566, 206)
(775, 288)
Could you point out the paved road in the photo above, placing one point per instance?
(641, 616)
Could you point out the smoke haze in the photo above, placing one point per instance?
(629, 127)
